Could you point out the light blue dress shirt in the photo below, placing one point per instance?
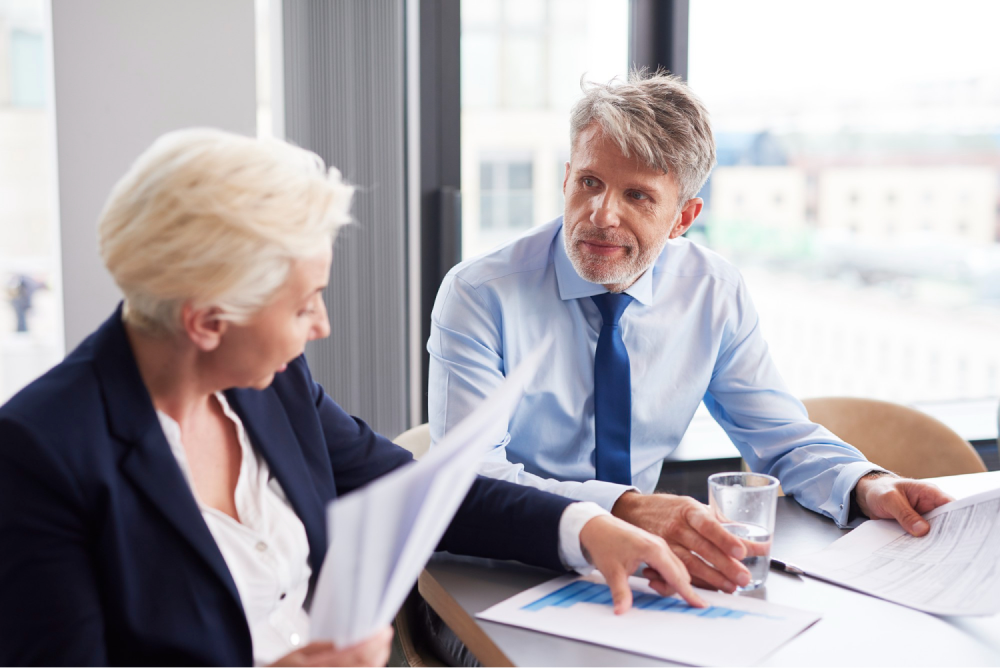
(692, 335)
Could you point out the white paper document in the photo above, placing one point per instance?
(382, 535)
(732, 631)
(953, 570)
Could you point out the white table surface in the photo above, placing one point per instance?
(856, 630)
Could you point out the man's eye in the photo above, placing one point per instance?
(305, 312)
(636, 195)
(589, 182)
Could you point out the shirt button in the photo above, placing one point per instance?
(283, 595)
(841, 506)
(294, 639)
(261, 546)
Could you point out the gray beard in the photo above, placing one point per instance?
(619, 273)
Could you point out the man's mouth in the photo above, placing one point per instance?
(597, 247)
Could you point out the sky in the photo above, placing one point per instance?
(822, 65)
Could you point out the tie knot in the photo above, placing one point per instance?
(612, 305)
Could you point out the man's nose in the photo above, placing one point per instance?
(606, 212)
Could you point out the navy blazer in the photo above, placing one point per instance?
(104, 555)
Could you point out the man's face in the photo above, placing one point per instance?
(619, 212)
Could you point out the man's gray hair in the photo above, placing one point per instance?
(656, 118)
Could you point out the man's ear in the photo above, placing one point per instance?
(203, 326)
(565, 179)
(687, 216)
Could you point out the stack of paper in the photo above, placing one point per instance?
(732, 631)
(382, 535)
(953, 570)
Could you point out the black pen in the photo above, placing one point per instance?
(779, 565)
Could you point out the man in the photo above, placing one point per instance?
(648, 325)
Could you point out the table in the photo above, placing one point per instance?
(855, 630)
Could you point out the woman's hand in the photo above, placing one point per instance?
(616, 548)
(371, 652)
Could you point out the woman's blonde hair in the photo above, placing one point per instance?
(216, 219)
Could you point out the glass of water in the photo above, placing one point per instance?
(746, 503)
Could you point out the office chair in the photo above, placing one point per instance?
(416, 440)
(898, 438)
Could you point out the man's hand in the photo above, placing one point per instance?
(710, 553)
(881, 496)
(617, 549)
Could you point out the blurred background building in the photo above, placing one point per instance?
(30, 304)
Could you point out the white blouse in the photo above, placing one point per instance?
(267, 551)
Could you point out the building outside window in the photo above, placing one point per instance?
(857, 187)
(31, 330)
(522, 62)
(506, 199)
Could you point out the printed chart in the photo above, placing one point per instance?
(583, 591)
(662, 627)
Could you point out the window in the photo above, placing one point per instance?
(878, 273)
(31, 330)
(522, 61)
(27, 69)
(268, 60)
(505, 195)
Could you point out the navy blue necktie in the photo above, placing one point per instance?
(612, 394)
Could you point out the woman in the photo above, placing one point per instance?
(162, 490)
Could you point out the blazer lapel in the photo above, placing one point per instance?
(148, 461)
(272, 435)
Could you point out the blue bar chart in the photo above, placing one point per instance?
(600, 594)
(665, 627)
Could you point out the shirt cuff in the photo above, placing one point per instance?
(839, 505)
(605, 494)
(574, 517)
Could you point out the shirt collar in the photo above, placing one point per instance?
(574, 286)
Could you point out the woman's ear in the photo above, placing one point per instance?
(203, 326)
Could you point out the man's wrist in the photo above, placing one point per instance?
(625, 503)
(856, 509)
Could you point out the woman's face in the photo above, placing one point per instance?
(250, 354)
